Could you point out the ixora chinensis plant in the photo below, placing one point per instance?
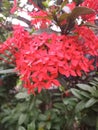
(42, 60)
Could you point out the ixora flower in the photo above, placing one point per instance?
(14, 8)
(69, 7)
(40, 19)
(40, 59)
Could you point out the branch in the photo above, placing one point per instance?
(7, 71)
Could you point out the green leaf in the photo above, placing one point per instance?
(95, 108)
(38, 102)
(21, 128)
(6, 119)
(96, 79)
(95, 93)
(46, 3)
(90, 118)
(48, 125)
(90, 102)
(77, 93)
(70, 101)
(64, 3)
(41, 126)
(85, 94)
(42, 117)
(85, 87)
(59, 106)
(55, 110)
(22, 95)
(56, 127)
(31, 126)
(97, 123)
(22, 119)
(80, 106)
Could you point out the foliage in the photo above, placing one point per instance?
(7, 81)
(85, 100)
(5, 26)
(75, 108)
(30, 112)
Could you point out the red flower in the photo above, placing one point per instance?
(14, 7)
(40, 19)
(67, 93)
(71, 5)
(40, 58)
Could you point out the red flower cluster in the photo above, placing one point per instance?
(41, 58)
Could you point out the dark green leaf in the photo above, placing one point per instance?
(96, 79)
(48, 125)
(90, 118)
(42, 117)
(38, 102)
(85, 87)
(41, 126)
(70, 101)
(59, 105)
(95, 108)
(85, 94)
(56, 127)
(21, 128)
(97, 123)
(80, 106)
(22, 119)
(90, 102)
(22, 95)
(31, 126)
(95, 93)
(77, 93)
(6, 119)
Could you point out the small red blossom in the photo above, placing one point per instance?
(40, 19)
(71, 5)
(14, 8)
(67, 93)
